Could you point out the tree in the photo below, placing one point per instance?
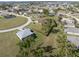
(65, 48)
(45, 11)
(25, 45)
(42, 51)
(48, 25)
(38, 52)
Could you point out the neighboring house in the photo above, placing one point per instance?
(68, 22)
(24, 33)
(3, 13)
(72, 30)
(69, 25)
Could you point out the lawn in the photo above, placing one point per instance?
(1, 17)
(9, 41)
(38, 31)
(35, 26)
(8, 44)
(10, 23)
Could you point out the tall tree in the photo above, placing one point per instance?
(25, 45)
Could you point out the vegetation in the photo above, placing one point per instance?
(52, 45)
(77, 25)
(45, 11)
(25, 44)
(5, 6)
(48, 25)
(50, 39)
(1, 17)
(8, 44)
(10, 23)
(58, 43)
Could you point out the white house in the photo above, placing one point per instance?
(24, 33)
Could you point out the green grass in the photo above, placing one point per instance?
(40, 36)
(35, 26)
(10, 23)
(41, 39)
(8, 44)
(9, 40)
(1, 17)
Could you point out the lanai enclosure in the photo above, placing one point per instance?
(24, 33)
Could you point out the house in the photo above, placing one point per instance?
(72, 30)
(40, 10)
(68, 22)
(24, 33)
(4, 13)
(61, 12)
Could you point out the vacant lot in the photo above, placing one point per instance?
(53, 39)
(8, 44)
(41, 39)
(10, 23)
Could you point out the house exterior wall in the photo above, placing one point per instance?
(72, 33)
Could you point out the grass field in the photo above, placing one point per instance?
(1, 17)
(9, 40)
(8, 43)
(10, 23)
(41, 39)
